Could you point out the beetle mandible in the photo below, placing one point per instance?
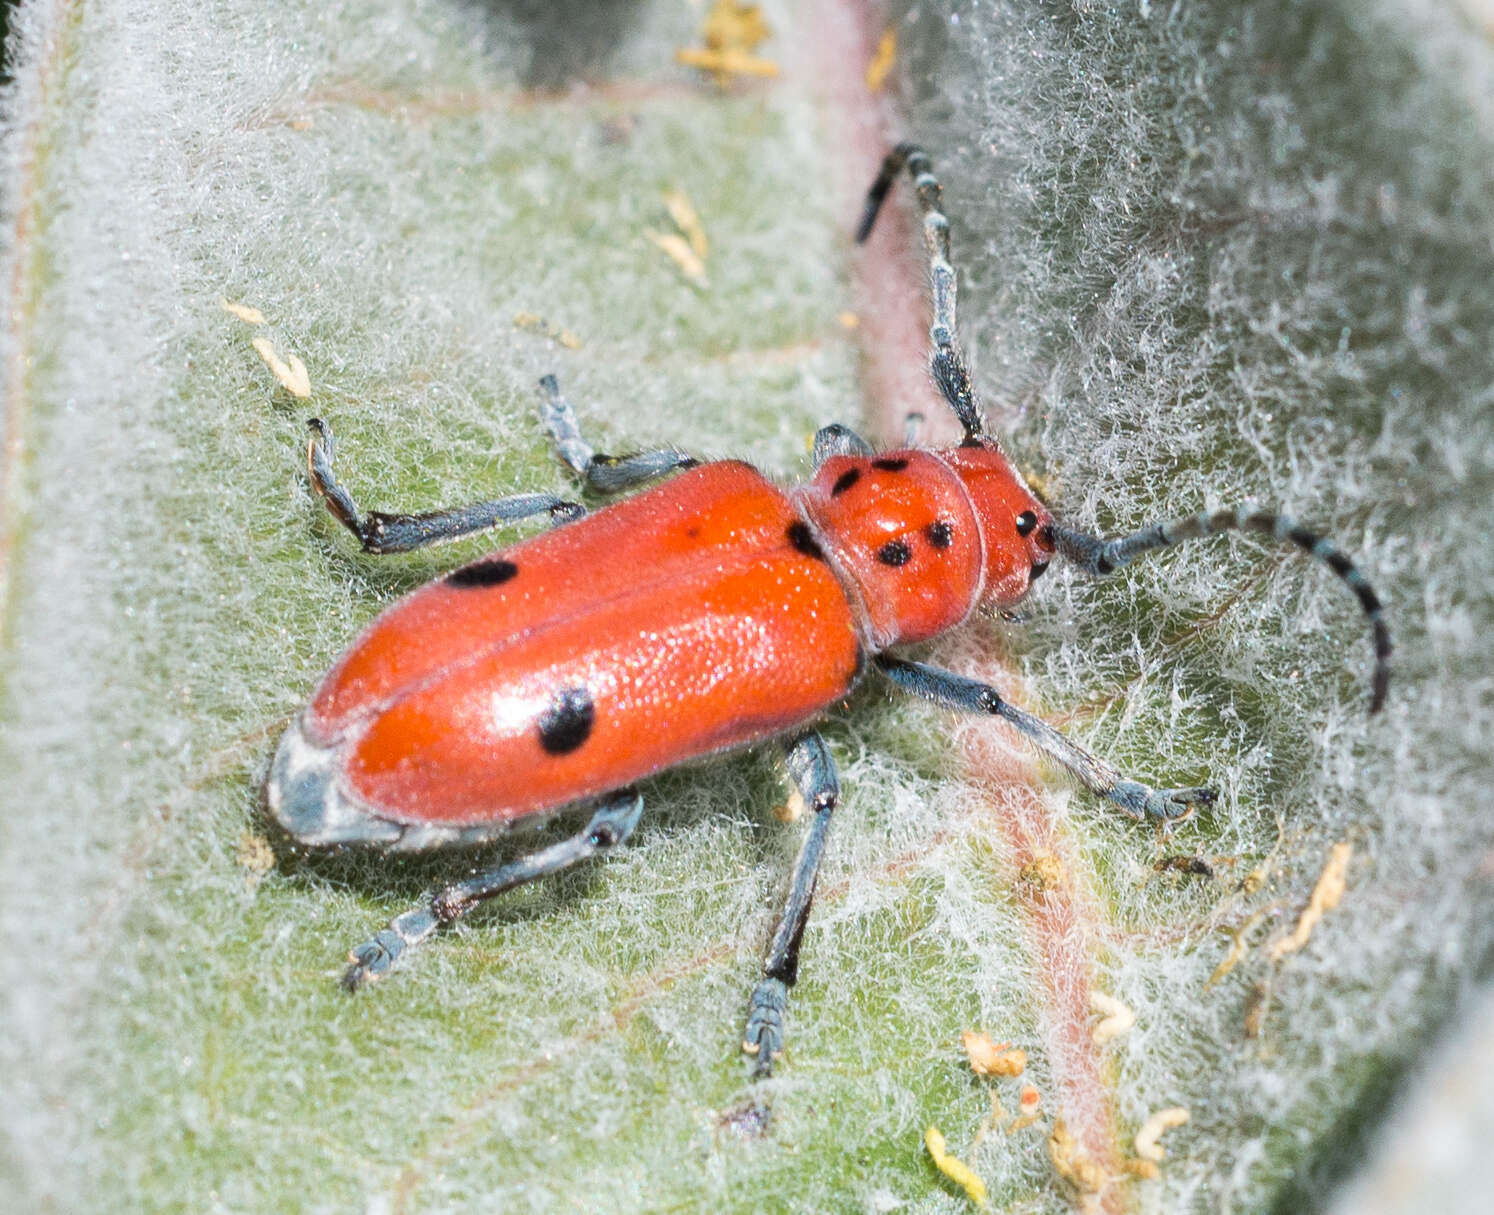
(550, 675)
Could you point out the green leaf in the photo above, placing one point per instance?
(1204, 257)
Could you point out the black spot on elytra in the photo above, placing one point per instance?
(887, 465)
(802, 539)
(567, 722)
(1026, 521)
(940, 533)
(845, 481)
(895, 552)
(492, 571)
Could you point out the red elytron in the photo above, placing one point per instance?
(713, 611)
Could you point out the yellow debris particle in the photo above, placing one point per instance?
(954, 1168)
(989, 1059)
(256, 858)
(1325, 897)
(882, 61)
(1256, 1008)
(290, 371)
(1118, 1018)
(793, 809)
(1045, 872)
(1239, 946)
(732, 31)
(1084, 1174)
(250, 316)
(677, 248)
(1148, 1138)
(687, 220)
(1144, 1169)
(533, 322)
(1030, 1108)
(849, 320)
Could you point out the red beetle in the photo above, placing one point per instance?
(711, 612)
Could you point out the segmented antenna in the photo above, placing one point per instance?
(951, 373)
(1102, 557)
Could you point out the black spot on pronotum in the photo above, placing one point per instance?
(940, 533)
(845, 481)
(567, 723)
(492, 571)
(887, 465)
(1026, 521)
(895, 552)
(802, 539)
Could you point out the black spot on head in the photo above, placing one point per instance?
(802, 539)
(567, 723)
(890, 465)
(491, 571)
(845, 481)
(895, 552)
(940, 533)
(1026, 521)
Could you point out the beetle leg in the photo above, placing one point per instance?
(838, 440)
(813, 772)
(947, 360)
(1132, 798)
(610, 826)
(603, 473)
(379, 532)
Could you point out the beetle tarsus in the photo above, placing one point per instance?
(1168, 806)
(375, 958)
(763, 1038)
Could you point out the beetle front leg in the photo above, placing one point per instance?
(1132, 798)
(381, 533)
(609, 827)
(813, 773)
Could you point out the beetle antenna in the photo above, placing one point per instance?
(1102, 557)
(946, 360)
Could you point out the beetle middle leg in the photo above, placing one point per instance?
(1132, 798)
(611, 824)
(380, 532)
(813, 772)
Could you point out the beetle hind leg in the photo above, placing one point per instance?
(610, 826)
(1130, 797)
(813, 773)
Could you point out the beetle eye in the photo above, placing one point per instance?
(1026, 521)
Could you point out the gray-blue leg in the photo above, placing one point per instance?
(603, 473)
(381, 532)
(813, 772)
(1131, 797)
(838, 440)
(610, 826)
